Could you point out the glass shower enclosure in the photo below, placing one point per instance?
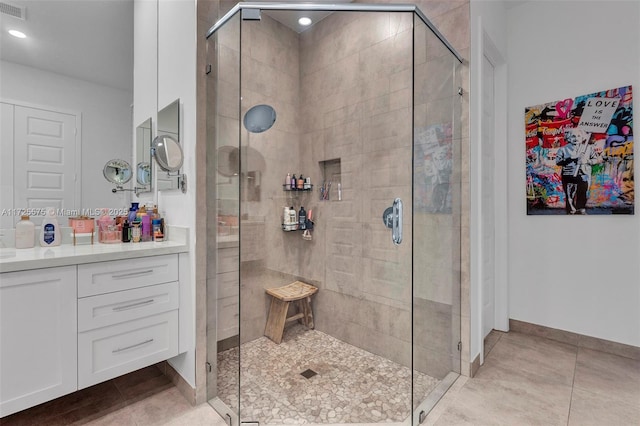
(362, 106)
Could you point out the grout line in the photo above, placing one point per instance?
(573, 381)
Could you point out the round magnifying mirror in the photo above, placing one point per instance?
(259, 118)
(143, 173)
(117, 171)
(168, 153)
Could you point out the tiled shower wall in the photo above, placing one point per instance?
(287, 256)
(356, 71)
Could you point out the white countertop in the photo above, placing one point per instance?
(12, 259)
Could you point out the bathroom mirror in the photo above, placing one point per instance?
(168, 153)
(78, 69)
(259, 118)
(166, 147)
(143, 155)
(117, 171)
(143, 175)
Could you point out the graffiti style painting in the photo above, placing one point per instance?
(579, 155)
(433, 168)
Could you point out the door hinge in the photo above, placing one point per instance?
(459, 346)
(208, 365)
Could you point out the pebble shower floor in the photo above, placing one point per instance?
(351, 384)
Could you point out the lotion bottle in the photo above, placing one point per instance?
(50, 231)
(25, 233)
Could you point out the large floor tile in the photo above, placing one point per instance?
(120, 417)
(90, 402)
(595, 409)
(498, 402)
(160, 408)
(608, 375)
(518, 357)
(202, 415)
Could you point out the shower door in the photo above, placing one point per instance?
(348, 109)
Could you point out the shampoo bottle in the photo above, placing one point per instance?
(302, 218)
(50, 231)
(25, 233)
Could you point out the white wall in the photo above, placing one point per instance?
(165, 70)
(488, 25)
(106, 122)
(580, 274)
(177, 79)
(145, 70)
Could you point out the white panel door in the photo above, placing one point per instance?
(7, 218)
(487, 202)
(45, 160)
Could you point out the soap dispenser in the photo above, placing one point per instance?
(49, 230)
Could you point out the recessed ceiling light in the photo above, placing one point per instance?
(304, 21)
(17, 34)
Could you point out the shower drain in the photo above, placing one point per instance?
(308, 373)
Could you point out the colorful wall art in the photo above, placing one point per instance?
(579, 155)
(433, 167)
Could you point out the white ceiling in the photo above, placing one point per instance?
(87, 39)
(290, 17)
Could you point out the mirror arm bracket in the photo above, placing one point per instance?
(137, 189)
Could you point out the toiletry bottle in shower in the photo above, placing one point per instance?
(293, 220)
(302, 218)
(293, 182)
(49, 230)
(300, 183)
(25, 233)
(287, 182)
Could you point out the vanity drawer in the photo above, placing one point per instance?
(109, 352)
(113, 308)
(108, 277)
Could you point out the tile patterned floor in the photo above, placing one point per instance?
(529, 380)
(525, 381)
(351, 385)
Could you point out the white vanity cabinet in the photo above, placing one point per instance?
(75, 316)
(127, 316)
(38, 335)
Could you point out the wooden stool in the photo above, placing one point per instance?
(281, 297)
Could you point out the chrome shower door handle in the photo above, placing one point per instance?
(396, 230)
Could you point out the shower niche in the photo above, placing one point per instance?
(347, 115)
(331, 180)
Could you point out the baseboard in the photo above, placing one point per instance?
(475, 365)
(575, 339)
(185, 388)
